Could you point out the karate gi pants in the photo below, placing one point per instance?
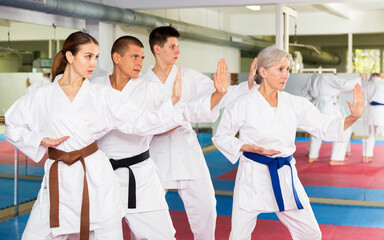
(369, 143)
(339, 149)
(301, 224)
(38, 227)
(153, 225)
(199, 201)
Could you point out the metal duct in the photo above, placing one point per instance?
(94, 11)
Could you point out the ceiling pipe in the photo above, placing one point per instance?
(104, 13)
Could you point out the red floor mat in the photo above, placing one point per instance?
(352, 174)
(270, 229)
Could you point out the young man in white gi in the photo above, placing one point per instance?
(148, 218)
(375, 113)
(146, 210)
(323, 90)
(178, 154)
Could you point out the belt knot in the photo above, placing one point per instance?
(69, 158)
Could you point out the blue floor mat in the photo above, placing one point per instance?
(36, 171)
(27, 191)
(218, 164)
(374, 195)
(2, 137)
(14, 228)
(204, 139)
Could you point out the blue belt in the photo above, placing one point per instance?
(273, 165)
(373, 103)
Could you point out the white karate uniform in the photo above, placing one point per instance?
(178, 154)
(150, 219)
(96, 110)
(375, 114)
(259, 124)
(323, 90)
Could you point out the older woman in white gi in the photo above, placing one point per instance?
(323, 90)
(79, 195)
(375, 114)
(267, 119)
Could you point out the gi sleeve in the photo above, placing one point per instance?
(196, 97)
(232, 120)
(233, 93)
(22, 121)
(198, 108)
(129, 118)
(344, 85)
(326, 127)
(306, 91)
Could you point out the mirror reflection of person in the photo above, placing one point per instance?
(375, 113)
(323, 89)
(267, 119)
(44, 80)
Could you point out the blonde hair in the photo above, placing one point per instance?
(269, 57)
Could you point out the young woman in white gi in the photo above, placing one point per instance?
(178, 154)
(267, 119)
(80, 192)
(375, 114)
(323, 91)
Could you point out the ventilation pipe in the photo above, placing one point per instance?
(104, 13)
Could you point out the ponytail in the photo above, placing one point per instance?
(58, 65)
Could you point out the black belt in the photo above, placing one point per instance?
(126, 163)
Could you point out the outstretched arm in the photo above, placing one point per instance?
(357, 107)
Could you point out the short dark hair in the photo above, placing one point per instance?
(159, 36)
(121, 44)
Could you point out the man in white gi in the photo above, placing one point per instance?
(146, 210)
(323, 90)
(375, 113)
(148, 217)
(178, 154)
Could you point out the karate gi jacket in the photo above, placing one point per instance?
(178, 154)
(96, 110)
(258, 124)
(375, 92)
(118, 145)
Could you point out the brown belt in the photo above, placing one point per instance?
(69, 158)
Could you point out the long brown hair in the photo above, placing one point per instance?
(72, 44)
